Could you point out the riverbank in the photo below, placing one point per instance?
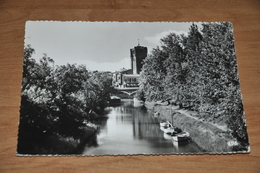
(57, 144)
(211, 138)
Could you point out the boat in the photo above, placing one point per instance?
(114, 100)
(181, 137)
(167, 136)
(164, 124)
(167, 128)
(170, 130)
(157, 114)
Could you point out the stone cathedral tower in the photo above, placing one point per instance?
(138, 54)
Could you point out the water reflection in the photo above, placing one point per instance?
(131, 129)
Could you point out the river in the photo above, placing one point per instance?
(130, 128)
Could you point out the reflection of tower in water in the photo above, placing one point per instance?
(124, 114)
(144, 125)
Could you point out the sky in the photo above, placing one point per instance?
(103, 46)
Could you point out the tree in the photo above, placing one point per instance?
(225, 89)
(198, 70)
(36, 120)
(152, 75)
(69, 99)
(98, 90)
(53, 102)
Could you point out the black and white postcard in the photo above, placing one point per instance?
(130, 88)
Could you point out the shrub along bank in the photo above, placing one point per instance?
(55, 144)
(59, 104)
(211, 138)
(197, 71)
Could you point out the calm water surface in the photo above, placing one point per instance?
(131, 129)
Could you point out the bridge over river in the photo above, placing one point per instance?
(130, 91)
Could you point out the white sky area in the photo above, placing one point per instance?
(103, 46)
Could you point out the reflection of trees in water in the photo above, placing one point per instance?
(89, 142)
(145, 126)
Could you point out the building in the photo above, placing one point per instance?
(138, 54)
(129, 78)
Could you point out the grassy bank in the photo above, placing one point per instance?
(212, 138)
(31, 144)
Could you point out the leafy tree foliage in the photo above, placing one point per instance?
(58, 100)
(198, 71)
(98, 89)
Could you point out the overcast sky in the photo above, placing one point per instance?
(103, 46)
